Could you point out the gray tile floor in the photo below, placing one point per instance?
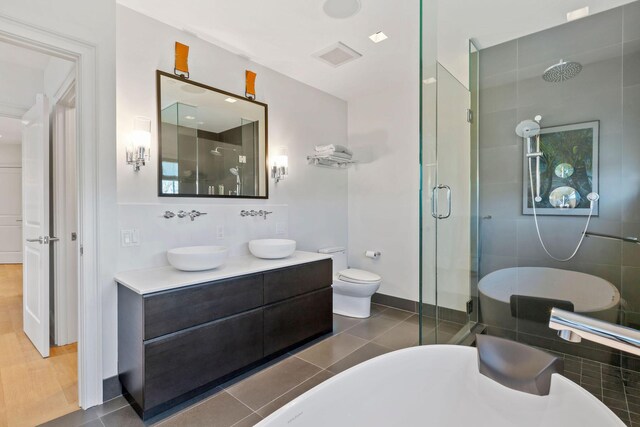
(244, 401)
(617, 388)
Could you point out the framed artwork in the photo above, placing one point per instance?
(568, 170)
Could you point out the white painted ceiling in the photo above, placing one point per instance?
(23, 57)
(284, 34)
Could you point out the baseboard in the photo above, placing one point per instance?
(429, 310)
(395, 302)
(111, 388)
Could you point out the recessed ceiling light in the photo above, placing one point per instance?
(578, 13)
(200, 123)
(0, 136)
(25, 122)
(341, 9)
(378, 37)
(189, 117)
(231, 100)
(430, 80)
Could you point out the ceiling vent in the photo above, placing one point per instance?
(337, 55)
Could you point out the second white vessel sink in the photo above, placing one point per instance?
(272, 248)
(197, 258)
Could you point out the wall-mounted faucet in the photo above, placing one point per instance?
(252, 212)
(168, 214)
(193, 214)
(573, 327)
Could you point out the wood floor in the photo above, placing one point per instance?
(32, 389)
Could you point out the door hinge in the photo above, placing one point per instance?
(469, 115)
(74, 236)
(81, 250)
(470, 306)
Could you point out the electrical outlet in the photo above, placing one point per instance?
(242, 159)
(220, 232)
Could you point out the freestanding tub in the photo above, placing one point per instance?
(437, 385)
(589, 294)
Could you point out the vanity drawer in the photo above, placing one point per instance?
(171, 311)
(298, 280)
(182, 362)
(289, 322)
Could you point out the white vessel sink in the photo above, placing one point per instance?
(272, 248)
(197, 258)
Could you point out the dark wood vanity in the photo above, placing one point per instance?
(178, 343)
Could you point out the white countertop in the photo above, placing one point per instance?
(158, 279)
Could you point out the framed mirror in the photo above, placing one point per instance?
(211, 143)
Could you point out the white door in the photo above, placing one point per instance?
(35, 214)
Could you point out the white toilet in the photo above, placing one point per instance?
(352, 288)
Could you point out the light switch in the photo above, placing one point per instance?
(242, 159)
(125, 237)
(130, 238)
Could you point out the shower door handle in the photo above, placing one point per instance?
(434, 201)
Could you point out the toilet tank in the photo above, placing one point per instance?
(339, 257)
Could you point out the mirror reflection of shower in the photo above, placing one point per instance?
(236, 172)
(529, 130)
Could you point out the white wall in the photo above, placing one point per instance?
(94, 23)
(384, 185)
(299, 118)
(11, 206)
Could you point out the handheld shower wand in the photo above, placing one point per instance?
(529, 129)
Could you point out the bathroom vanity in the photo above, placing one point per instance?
(182, 333)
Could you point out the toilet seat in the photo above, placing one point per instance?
(356, 276)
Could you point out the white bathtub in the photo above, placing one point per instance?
(437, 385)
(589, 294)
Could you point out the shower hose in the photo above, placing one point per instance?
(535, 218)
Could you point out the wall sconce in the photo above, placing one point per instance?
(139, 148)
(279, 164)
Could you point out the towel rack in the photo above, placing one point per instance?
(609, 236)
(330, 162)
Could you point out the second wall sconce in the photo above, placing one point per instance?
(139, 147)
(279, 164)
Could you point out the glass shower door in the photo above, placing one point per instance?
(448, 291)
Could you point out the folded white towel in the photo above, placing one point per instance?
(329, 153)
(334, 147)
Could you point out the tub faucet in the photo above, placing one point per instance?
(574, 327)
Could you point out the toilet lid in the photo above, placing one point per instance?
(358, 276)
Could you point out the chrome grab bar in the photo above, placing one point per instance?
(610, 236)
(573, 327)
(434, 201)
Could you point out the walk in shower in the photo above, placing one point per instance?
(530, 175)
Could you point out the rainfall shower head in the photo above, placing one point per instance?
(234, 171)
(563, 70)
(527, 129)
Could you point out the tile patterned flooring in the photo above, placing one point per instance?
(246, 400)
(32, 389)
(618, 388)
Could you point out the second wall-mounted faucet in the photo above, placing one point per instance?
(181, 214)
(252, 212)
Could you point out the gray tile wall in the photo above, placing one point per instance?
(607, 89)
